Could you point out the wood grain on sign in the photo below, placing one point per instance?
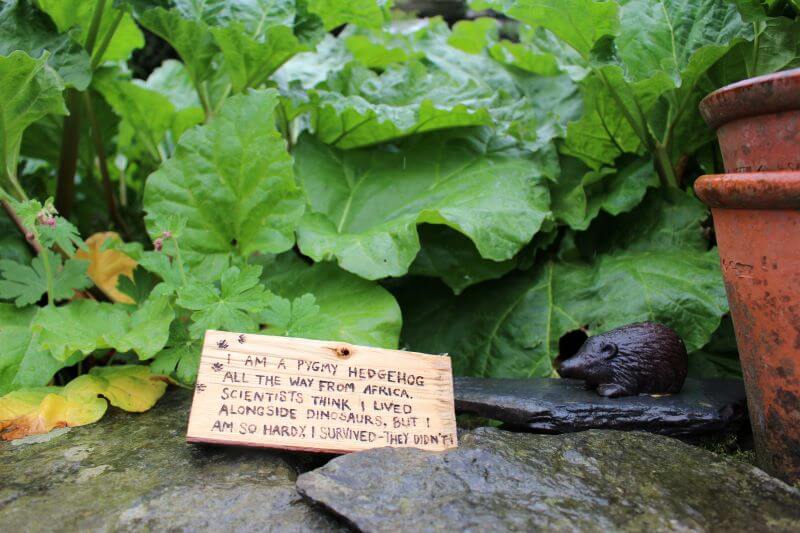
(258, 390)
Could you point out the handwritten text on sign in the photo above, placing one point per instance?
(303, 394)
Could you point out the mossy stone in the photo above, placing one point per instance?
(136, 471)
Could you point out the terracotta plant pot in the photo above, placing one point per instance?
(756, 210)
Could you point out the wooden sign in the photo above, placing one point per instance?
(299, 394)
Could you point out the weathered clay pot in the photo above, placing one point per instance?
(756, 210)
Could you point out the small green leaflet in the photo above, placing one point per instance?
(181, 356)
(230, 306)
(293, 318)
(27, 284)
(62, 234)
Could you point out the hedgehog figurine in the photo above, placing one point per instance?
(638, 358)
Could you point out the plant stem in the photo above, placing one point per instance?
(48, 272)
(18, 190)
(179, 260)
(202, 93)
(758, 27)
(68, 160)
(123, 188)
(108, 191)
(666, 172)
(284, 126)
(94, 27)
(225, 94)
(97, 57)
(29, 236)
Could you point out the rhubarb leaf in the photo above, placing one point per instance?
(364, 205)
(660, 271)
(232, 181)
(347, 308)
(25, 28)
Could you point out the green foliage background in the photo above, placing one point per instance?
(480, 190)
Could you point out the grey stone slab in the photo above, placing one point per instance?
(136, 472)
(597, 480)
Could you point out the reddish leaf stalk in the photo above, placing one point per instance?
(68, 162)
(108, 191)
(29, 236)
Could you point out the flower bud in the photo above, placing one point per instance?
(158, 244)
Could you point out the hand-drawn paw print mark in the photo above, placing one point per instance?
(222, 344)
(217, 367)
(200, 387)
(241, 339)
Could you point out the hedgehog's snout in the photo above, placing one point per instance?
(573, 367)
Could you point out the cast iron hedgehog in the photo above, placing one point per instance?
(638, 358)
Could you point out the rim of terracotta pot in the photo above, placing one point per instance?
(771, 93)
(750, 190)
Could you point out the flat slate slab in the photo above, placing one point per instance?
(136, 472)
(597, 480)
(563, 405)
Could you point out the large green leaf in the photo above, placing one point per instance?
(258, 37)
(426, 84)
(23, 363)
(362, 108)
(364, 205)
(580, 193)
(26, 28)
(150, 123)
(660, 271)
(29, 90)
(379, 49)
(648, 57)
(249, 60)
(232, 180)
(367, 13)
(191, 38)
(348, 308)
(255, 37)
(312, 68)
(451, 256)
(68, 14)
(580, 23)
(676, 38)
(86, 325)
(776, 46)
(603, 133)
(472, 36)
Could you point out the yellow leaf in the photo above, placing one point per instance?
(38, 410)
(129, 387)
(105, 266)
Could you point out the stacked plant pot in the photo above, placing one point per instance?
(756, 210)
